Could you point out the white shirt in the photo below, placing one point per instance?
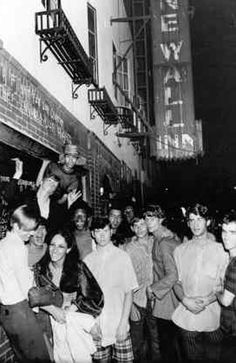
(15, 275)
(200, 264)
(115, 274)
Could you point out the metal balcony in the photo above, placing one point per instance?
(126, 118)
(103, 106)
(57, 35)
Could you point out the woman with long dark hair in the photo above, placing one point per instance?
(81, 294)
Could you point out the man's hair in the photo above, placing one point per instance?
(155, 209)
(229, 217)
(80, 205)
(99, 223)
(29, 211)
(51, 175)
(116, 204)
(199, 210)
(137, 218)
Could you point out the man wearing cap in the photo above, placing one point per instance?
(65, 170)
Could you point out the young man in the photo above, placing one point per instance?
(16, 317)
(37, 246)
(114, 272)
(201, 263)
(67, 172)
(227, 296)
(121, 231)
(161, 290)
(115, 217)
(140, 252)
(129, 213)
(80, 216)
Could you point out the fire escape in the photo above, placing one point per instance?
(101, 103)
(57, 35)
(136, 118)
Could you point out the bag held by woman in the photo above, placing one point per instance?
(48, 294)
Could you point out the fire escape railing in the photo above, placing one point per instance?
(101, 103)
(57, 35)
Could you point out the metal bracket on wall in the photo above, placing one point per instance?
(106, 124)
(105, 128)
(76, 85)
(46, 44)
(92, 113)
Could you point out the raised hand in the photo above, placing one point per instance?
(72, 197)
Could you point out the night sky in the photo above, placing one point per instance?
(214, 67)
(213, 37)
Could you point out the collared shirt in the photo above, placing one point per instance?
(15, 275)
(201, 263)
(228, 313)
(115, 274)
(141, 257)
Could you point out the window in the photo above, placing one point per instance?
(114, 70)
(51, 4)
(122, 76)
(92, 39)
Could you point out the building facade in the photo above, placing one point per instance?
(48, 98)
(67, 74)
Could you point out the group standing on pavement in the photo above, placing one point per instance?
(129, 286)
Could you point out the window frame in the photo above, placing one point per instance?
(94, 34)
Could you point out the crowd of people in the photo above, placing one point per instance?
(136, 285)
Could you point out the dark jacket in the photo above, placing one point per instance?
(76, 277)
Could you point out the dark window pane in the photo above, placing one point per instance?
(125, 65)
(92, 45)
(91, 19)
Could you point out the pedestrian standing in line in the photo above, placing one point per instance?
(227, 293)
(16, 279)
(161, 291)
(201, 264)
(120, 229)
(79, 215)
(140, 252)
(114, 272)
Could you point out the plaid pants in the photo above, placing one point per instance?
(120, 351)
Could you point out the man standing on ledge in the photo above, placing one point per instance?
(16, 316)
